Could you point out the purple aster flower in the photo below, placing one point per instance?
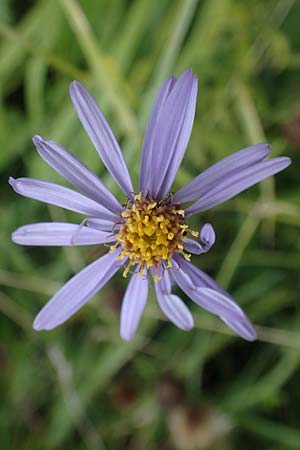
(149, 234)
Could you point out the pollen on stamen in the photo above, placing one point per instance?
(150, 233)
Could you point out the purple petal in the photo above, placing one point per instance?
(244, 328)
(208, 179)
(213, 299)
(77, 291)
(54, 194)
(101, 224)
(100, 133)
(73, 170)
(148, 149)
(59, 234)
(236, 319)
(192, 246)
(197, 278)
(207, 236)
(238, 182)
(173, 307)
(133, 305)
(175, 158)
(165, 281)
(194, 292)
(172, 133)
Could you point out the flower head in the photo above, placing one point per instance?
(149, 234)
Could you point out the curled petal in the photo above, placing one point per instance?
(59, 234)
(207, 236)
(73, 170)
(220, 171)
(101, 135)
(192, 246)
(133, 305)
(238, 182)
(77, 291)
(54, 194)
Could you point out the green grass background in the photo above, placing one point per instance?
(80, 386)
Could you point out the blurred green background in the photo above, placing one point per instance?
(80, 386)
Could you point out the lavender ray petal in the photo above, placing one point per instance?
(172, 131)
(164, 282)
(148, 149)
(219, 304)
(176, 157)
(195, 276)
(175, 309)
(77, 173)
(133, 305)
(54, 194)
(244, 328)
(101, 224)
(208, 179)
(207, 236)
(213, 299)
(59, 234)
(238, 182)
(100, 133)
(77, 291)
(192, 246)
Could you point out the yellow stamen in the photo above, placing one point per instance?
(187, 256)
(150, 233)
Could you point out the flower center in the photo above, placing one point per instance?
(151, 232)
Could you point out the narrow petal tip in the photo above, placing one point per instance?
(286, 161)
(11, 181)
(36, 327)
(15, 235)
(74, 90)
(263, 147)
(126, 336)
(245, 329)
(37, 139)
(188, 72)
(252, 335)
(38, 324)
(75, 86)
(14, 183)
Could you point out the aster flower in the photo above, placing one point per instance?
(149, 234)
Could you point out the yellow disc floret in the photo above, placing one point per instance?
(151, 232)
